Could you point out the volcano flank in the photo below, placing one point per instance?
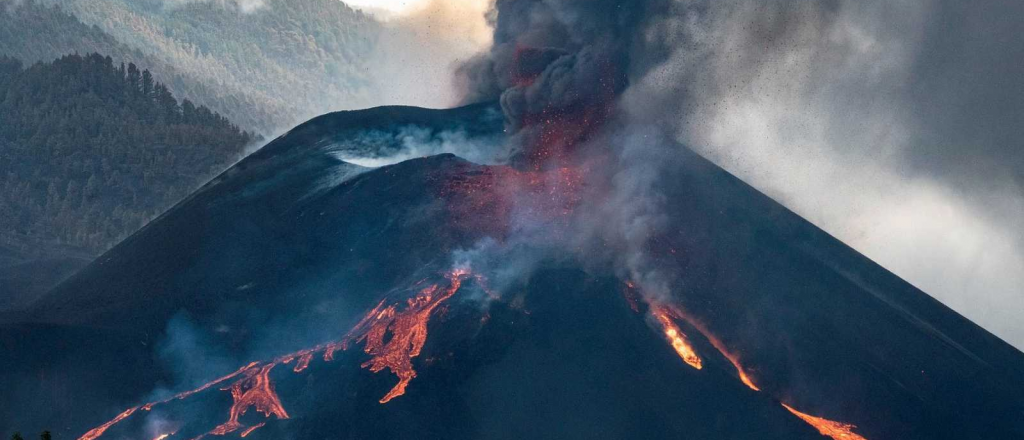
(302, 295)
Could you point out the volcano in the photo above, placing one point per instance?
(303, 295)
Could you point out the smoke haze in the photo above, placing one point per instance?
(889, 124)
(421, 46)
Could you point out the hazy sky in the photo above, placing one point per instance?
(392, 6)
(423, 43)
(895, 125)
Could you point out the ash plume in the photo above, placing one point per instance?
(560, 55)
(855, 115)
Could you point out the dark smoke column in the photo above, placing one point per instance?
(557, 67)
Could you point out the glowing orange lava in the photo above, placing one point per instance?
(407, 329)
(253, 388)
(677, 313)
(250, 429)
(746, 380)
(677, 338)
(665, 314)
(303, 362)
(98, 431)
(726, 354)
(836, 430)
(254, 391)
(205, 387)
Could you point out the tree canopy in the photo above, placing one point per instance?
(90, 150)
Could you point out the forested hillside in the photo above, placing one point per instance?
(33, 32)
(265, 68)
(90, 150)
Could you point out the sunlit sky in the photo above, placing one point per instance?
(393, 6)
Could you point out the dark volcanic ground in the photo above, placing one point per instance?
(292, 246)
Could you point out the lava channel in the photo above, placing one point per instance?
(252, 388)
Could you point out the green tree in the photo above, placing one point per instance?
(17, 436)
(45, 435)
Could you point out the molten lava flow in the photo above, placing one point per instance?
(725, 353)
(665, 314)
(250, 429)
(746, 380)
(836, 430)
(728, 355)
(254, 391)
(675, 312)
(305, 358)
(408, 331)
(677, 338)
(205, 387)
(98, 431)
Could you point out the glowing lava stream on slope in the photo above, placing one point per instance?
(677, 338)
(99, 430)
(665, 315)
(836, 430)
(254, 389)
(408, 329)
(676, 313)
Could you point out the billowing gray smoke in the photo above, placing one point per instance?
(560, 55)
(891, 125)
